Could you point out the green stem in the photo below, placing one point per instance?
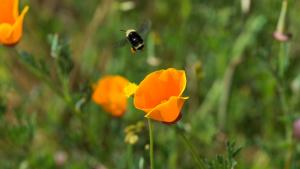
(282, 16)
(281, 86)
(224, 100)
(151, 143)
(199, 162)
(129, 156)
(66, 95)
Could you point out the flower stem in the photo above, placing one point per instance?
(151, 143)
(129, 156)
(281, 86)
(282, 16)
(199, 162)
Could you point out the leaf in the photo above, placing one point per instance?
(22, 133)
(60, 50)
(38, 67)
(225, 162)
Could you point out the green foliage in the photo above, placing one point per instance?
(242, 83)
(2, 108)
(225, 162)
(60, 51)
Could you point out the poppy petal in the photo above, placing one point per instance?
(5, 32)
(6, 8)
(17, 28)
(15, 11)
(109, 93)
(159, 86)
(167, 111)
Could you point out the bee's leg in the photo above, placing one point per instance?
(133, 51)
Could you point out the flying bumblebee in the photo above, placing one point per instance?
(136, 38)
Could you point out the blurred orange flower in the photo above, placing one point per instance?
(159, 95)
(109, 93)
(11, 23)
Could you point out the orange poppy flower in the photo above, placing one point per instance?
(159, 95)
(109, 93)
(11, 23)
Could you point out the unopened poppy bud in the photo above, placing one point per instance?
(282, 37)
(131, 138)
(245, 5)
(60, 158)
(296, 129)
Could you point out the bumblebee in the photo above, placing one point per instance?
(136, 41)
(136, 38)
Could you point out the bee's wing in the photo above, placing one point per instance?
(121, 43)
(144, 28)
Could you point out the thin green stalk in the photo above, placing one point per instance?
(199, 162)
(282, 16)
(151, 143)
(66, 96)
(281, 86)
(129, 156)
(224, 100)
(286, 111)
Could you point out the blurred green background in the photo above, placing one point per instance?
(243, 85)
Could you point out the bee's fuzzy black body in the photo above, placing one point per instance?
(136, 37)
(136, 41)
